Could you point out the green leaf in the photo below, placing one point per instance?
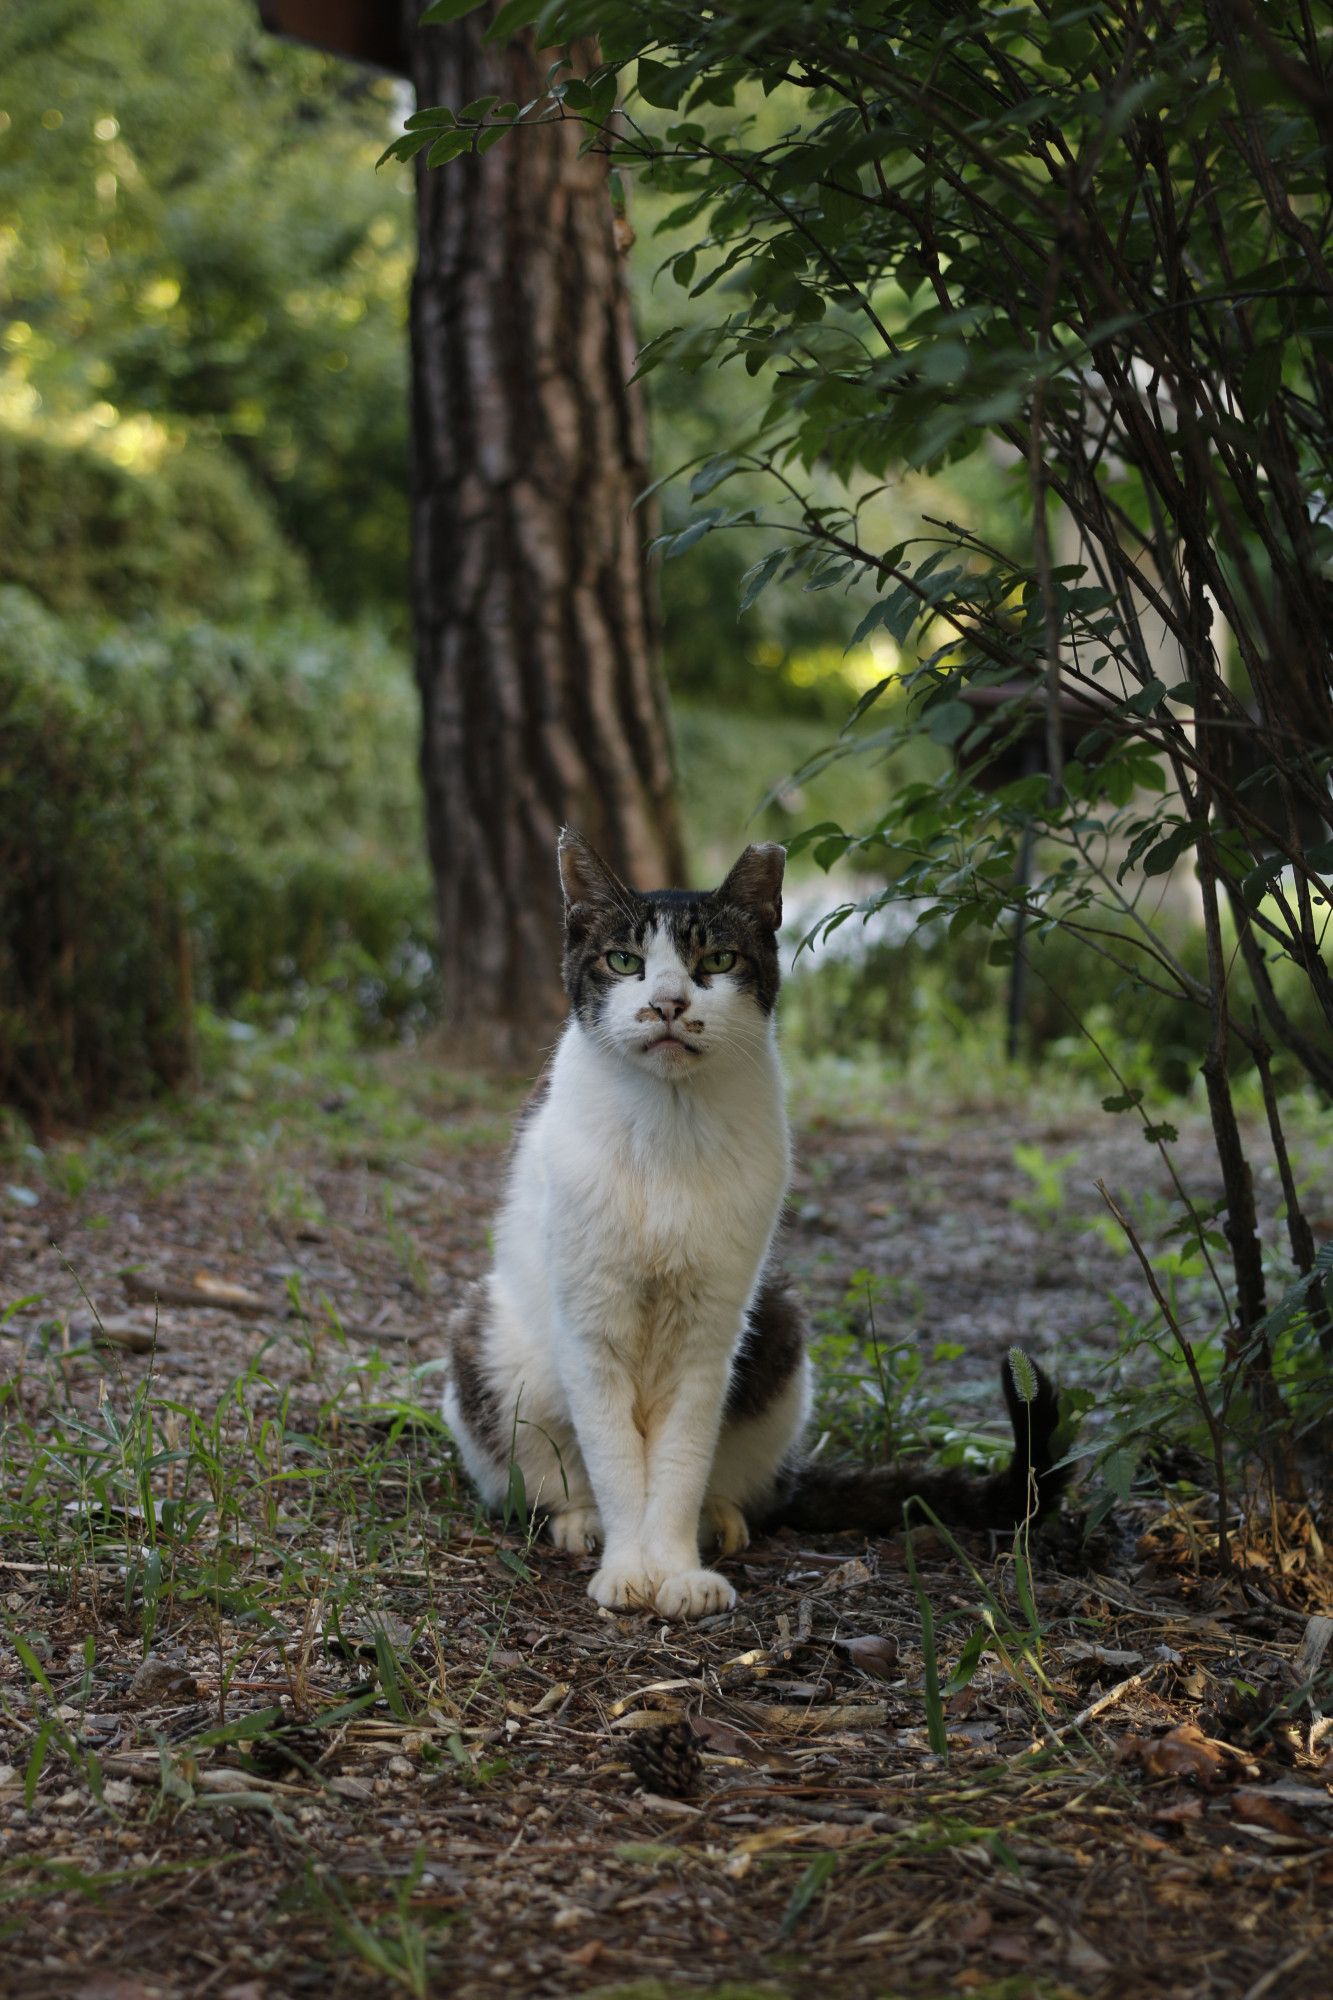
(660, 86)
(811, 1884)
(1169, 849)
(1260, 880)
(242, 1731)
(1125, 1100)
(36, 1670)
(447, 147)
(712, 474)
(759, 576)
(516, 1497)
(867, 700)
(946, 721)
(512, 18)
(33, 1773)
(407, 147)
(387, 1662)
(968, 1661)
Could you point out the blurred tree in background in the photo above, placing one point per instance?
(538, 651)
(193, 246)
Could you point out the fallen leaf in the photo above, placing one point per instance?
(1084, 1958)
(225, 1292)
(156, 1679)
(847, 1575)
(1186, 1753)
(1314, 1644)
(873, 1654)
(1261, 1814)
(1106, 1656)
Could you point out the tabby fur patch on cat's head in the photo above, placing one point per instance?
(669, 978)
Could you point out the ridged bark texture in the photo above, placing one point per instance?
(536, 627)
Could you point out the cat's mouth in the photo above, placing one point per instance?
(671, 1045)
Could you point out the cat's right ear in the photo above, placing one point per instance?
(756, 883)
(584, 876)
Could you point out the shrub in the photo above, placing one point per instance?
(87, 536)
(274, 928)
(182, 799)
(93, 967)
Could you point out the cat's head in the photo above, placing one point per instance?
(672, 979)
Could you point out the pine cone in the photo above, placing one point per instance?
(665, 1760)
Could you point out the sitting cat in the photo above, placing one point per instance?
(633, 1348)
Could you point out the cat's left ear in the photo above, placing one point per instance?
(584, 876)
(756, 882)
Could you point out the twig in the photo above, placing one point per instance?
(148, 1290)
(1210, 1417)
(1105, 1701)
(1289, 1964)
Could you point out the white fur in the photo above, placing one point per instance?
(638, 1216)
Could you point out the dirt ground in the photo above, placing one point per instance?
(280, 1714)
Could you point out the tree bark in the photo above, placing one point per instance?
(536, 623)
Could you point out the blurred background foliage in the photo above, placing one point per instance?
(208, 791)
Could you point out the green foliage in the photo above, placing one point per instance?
(281, 930)
(92, 1005)
(183, 795)
(1095, 244)
(86, 535)
(176, 260)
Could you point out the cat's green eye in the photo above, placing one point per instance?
(717, 961)
(624, 962)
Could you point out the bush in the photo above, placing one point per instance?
(92, 956)
(273, 928)
(239, 803)
(87, 536)
(902, 996)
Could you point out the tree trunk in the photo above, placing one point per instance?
(536, 625)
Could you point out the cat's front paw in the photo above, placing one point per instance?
(724, 1526)
(621, 1586)
(576, 1529)
(694, 1593)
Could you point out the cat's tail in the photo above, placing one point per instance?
(821, 1499)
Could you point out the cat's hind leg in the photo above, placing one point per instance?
(723, 1528)
(471, 1404)
(575, 1527)
(767, 1409)
(503, 1412)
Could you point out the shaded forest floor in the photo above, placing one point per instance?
(280, 1714)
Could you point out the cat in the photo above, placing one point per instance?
(635, 1350)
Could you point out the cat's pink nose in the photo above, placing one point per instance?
(670, 1006)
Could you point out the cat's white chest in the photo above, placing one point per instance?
(658, 1196)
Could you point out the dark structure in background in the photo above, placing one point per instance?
(536, 627)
